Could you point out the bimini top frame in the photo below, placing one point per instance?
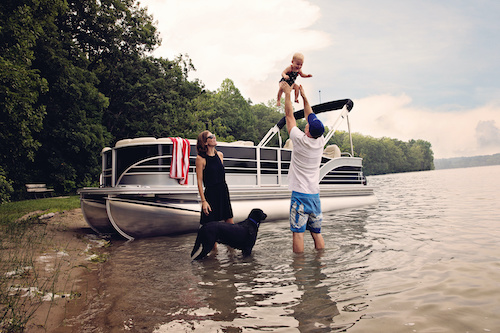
(345, 105)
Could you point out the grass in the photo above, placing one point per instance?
(22, 286)
(11, 211)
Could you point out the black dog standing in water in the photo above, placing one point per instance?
(241, 235)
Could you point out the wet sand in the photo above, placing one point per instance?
(70, 245)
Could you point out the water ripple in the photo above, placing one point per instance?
(425, 260)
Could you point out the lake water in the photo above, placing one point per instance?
(426, 259)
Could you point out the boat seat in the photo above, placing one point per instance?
(142, 140)
(168, 140)
(122, 142)
(163, 140)
(242, 143)
(332, 151)
(288, 144)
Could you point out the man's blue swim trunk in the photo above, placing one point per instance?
(305, 212)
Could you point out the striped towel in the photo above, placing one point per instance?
(180, 160)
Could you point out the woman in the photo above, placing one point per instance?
(215, 202)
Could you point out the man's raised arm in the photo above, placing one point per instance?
(307, 108)
(290, 119)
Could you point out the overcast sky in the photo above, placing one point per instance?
(415, 69)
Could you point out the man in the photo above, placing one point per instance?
(303, 176)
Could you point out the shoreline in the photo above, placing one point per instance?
(77, 254)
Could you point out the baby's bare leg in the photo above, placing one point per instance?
(280, 92)
(297, 89)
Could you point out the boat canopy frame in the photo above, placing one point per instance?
(345, 105)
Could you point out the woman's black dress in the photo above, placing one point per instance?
(216, 191)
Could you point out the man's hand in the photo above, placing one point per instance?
(302, 92)
(307, 108)
(285, 87)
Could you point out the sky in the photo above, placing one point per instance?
(421, 69)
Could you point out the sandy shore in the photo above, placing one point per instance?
(78, 254)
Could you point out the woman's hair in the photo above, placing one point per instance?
(201, 143)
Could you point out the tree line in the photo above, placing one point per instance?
(467, 162)
(76, 76)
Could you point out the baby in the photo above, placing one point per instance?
(290, 74)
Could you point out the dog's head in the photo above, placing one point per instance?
(257, 215)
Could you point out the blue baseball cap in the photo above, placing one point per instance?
(316, 128)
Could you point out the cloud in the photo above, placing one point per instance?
(488, 134)
(450, 133)
(250, 42)
(440, 53)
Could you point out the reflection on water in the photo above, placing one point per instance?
(424, 260)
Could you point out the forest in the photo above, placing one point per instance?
(77, 76)
(467, 162)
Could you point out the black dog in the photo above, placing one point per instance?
(241, 235)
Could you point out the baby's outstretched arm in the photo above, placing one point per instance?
(304, 75)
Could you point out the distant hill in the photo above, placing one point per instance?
(466, 162)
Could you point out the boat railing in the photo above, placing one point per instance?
(342, 170)
(145, 173)
(261, 167)
(253, 165)
(264, 166)
(343, 177)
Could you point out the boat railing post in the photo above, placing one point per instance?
(258, 164)
(103, 167)
(104, 160)
(113, 168)
(279, 157)
(160, 153)
(336, 124)
(350, 135)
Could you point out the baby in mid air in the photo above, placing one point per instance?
(290, 75)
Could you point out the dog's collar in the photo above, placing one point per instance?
(251, 219)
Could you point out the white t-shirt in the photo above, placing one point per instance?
(303, 175)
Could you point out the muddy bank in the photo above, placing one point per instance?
(73, 252)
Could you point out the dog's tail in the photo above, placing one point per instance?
(196, 249)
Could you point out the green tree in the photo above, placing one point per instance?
(73, 134)
(233, 114)
(227, 114)
(72, 129)
(149, 97)
(266, 116)
(6, 188)
(428, 158)
(386, 155)
(21, 113)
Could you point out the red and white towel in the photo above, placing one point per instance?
(180, 160)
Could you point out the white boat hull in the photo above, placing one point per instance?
(95, 214)
(134, 218)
